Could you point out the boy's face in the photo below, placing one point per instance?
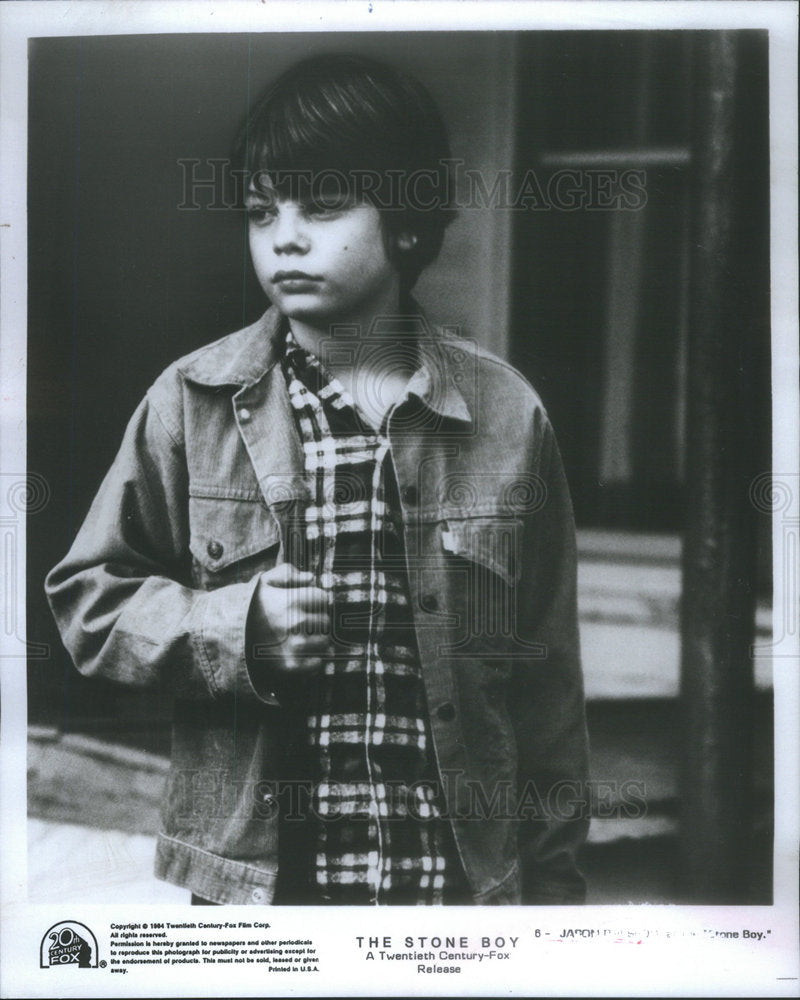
(321, 262)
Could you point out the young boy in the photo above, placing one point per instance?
(345, 543)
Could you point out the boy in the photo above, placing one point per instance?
(346, 545)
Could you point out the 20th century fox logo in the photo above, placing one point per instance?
(69, 943)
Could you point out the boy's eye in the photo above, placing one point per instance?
(260, 215)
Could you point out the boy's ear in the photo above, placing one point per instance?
(406, 241)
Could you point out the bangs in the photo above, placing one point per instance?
(339, 122)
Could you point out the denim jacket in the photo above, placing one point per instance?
(157, 588)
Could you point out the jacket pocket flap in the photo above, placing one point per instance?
(225, 531)
(488, 541)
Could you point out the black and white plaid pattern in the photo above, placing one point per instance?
(380, 838)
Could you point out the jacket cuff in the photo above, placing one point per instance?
(221, 642)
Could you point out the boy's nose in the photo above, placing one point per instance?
(289, 235)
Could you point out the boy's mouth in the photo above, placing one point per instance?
(281, 276)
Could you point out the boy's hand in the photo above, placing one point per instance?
(297, 614)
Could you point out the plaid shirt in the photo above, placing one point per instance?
(380, 835)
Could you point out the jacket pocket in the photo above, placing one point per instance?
(492, 610)
(488, 542)
(231, 539)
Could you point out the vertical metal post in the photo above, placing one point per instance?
(719, 545)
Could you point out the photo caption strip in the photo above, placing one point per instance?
(202, 943)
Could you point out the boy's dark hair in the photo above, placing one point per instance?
(345, 120)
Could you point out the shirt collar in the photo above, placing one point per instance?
(245, 357)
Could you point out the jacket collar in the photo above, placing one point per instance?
(241, 358)
(244, 358)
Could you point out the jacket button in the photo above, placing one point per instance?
(268, 798)
(214, 549)
(446, 712)
(244, 415)
(259, 895)
(409, 494)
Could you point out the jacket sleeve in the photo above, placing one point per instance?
(121, 597)
(547, 700)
